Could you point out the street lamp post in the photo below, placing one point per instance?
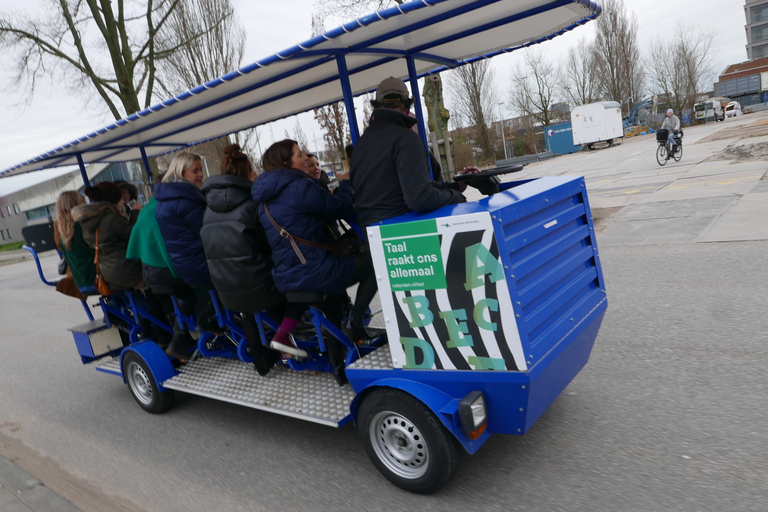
(503, 139)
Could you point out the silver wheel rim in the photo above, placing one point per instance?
(399, 445)
(140, 383)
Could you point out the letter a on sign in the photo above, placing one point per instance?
(480, 262)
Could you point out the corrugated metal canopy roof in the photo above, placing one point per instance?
(436, 33)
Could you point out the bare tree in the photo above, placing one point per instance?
(579, 75)
(105, 47)
(333, 121)
(299, 136)
(617, 55)
(474, 98)
(680, 68)
(533, 87)
(203, 40)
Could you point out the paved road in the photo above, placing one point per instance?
(669, 414)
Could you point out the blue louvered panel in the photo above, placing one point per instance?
(553, 263)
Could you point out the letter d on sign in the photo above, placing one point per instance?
(427, 354)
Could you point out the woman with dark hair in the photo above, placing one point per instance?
(107, 218)
(238, 252)
(294, 207)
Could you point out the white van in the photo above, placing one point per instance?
(710, 109)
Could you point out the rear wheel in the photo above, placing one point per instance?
(406, 442)
(143, 387)
(678, 154)
(661, 154)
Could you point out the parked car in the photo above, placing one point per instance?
(733, 109)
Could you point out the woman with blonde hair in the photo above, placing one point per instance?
(70, 241)
(179, 213)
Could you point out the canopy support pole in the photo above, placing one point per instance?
(414, 79)
(349, 102)
(147, 168)
(83, 174)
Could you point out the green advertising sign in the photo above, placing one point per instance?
(412, 253)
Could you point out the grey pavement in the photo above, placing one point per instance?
(677, 222)
(21, 492)
(702, 198)
(8, 257)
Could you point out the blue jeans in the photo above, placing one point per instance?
(671, 140)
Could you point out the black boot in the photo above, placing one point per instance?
(366, 335)
(180, 345)
(264, 359)
(336, 358)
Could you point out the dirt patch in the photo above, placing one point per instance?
(755, 129)
(743, 152)
(601, 215)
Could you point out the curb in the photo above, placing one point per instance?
(21, 492)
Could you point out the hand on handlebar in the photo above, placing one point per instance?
(466, 170)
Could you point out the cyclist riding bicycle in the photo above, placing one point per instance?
(672, 125)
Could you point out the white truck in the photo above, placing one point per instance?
(596, 122)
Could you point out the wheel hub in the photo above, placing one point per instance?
(399, 445)
(139, 382)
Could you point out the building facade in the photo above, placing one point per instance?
(756, 12)
(31, 198)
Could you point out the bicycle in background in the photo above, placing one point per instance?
(663, 152)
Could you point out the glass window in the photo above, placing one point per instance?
(40, 213)
(3, 234)
(759, 52)
(759, 13)
(16, 208)
(760, 33)
(9, 234)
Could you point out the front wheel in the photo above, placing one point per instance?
(143, 387)
(661, 154)
(406, 442)
(678, 154)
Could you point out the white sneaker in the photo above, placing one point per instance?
(288, 348)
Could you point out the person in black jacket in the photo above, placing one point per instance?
(237, 250)
(390, 169)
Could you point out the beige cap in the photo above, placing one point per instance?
(390, 87)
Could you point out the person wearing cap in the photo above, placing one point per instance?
(390, 170)
(672, 125)
(107, 215)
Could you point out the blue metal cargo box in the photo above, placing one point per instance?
(504, 295)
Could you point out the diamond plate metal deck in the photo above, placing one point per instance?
(380, 359)
(305, 395)
(111, 366)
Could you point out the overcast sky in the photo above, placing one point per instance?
(56, 116)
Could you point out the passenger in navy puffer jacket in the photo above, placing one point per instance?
(302, 208)
(180, 211)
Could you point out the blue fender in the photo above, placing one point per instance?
(445, 407)
(158, 362)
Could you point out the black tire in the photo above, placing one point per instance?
(661, 154)
(143, 387)
(678, 154)
(426, 456)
